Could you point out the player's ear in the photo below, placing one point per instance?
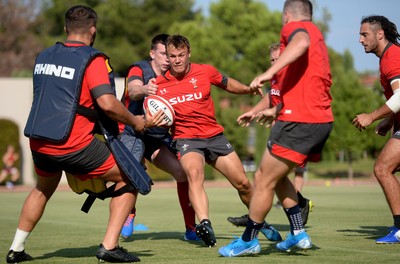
(152, 54)
(380, 34)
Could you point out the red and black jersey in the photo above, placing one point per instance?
(305, 87)
(191, 99)
(389, 66)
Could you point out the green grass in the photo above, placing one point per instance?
(343, 226)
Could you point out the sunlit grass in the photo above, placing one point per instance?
(343, 226)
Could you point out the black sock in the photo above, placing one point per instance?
(294, 216)
(301, 200)
(251, 230)
(396, 219)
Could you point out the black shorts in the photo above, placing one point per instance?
(80, 162)
(298, 142)
(151, 144)
(210, 148)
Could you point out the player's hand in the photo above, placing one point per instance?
(384, 126)
(266, 117)
(361, 121)
(151, 87)
(139, 123)
(154, 120)
(245, 119)
(259, 81)
(256, 91)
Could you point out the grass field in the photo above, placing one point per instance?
(342, 226)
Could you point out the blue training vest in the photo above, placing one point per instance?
(57, 80)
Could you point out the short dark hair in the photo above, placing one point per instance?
(80, 19)
(178, 41)
(303, 7)
(159, 39)
(381, 22)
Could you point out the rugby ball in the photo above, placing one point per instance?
(154, 103)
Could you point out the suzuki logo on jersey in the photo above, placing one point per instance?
(194, 82)
(56, 70)
(275, 92)
(185, 98)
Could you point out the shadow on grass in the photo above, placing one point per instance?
(83, 253)
(154, 236)
(370, 232)
(271, 248)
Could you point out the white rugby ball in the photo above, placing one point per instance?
(154, 103)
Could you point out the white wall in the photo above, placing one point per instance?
(15, 102)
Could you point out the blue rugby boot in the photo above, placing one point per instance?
(301, 241)
(190, 235)
(271, 233)
(238, 247)
(392, 238)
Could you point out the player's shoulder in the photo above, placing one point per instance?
(393, 49)
(207, 69)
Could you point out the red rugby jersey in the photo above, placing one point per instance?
(191, 99)
(389, 67)
(305, 87)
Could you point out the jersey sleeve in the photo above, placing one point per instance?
(135, 73)
(97, 78)
(288, 31)
(215, 77)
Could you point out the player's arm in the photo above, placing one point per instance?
(236, 87)
(137, 90)
(297, 46)
(114, 109)
(246, 118)
(392, 106)
(97, 79)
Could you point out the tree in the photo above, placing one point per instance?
(18, 44)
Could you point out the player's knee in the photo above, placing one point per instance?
(380, 170)
(244, 186)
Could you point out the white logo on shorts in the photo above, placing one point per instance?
(184, 147)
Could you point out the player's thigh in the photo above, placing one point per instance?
(193, 164)
(48, 184)
(167, 161)
(232, 168)
(272, 169)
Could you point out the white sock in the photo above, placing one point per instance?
(296, 232)
(18, 244)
